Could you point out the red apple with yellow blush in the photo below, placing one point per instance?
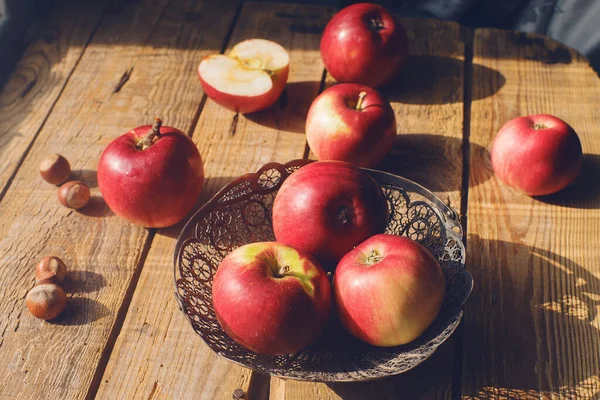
(351, 122)
(388, 290)
(271, 298)
(538, 154)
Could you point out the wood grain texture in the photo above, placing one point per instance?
(39, 77)
(427, 101)
(532, 323)
(59, 360)
(158, 355)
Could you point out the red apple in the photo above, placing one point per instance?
(250, 78)
(364, 43)
(271, 298)
(538, 155)
(326, 208)
(151, 176)
(388, 290)
(351, 122)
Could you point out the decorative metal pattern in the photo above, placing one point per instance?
(241, 214)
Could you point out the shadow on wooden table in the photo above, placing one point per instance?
(426, 380)
(536, 47)
(585, 191)
(84, 282)
(87, 176)
(431, 160)
(289, 112)
(81, 311)
(96, 207)
(439, 80)
(531, 325)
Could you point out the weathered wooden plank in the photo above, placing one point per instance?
(427, 101)
(59, 360)
(158, 353)
(40, 76)
(532, 326)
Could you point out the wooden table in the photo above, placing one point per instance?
(531, 327)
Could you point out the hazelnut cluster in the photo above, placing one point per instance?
(47, 300)
(55, 169)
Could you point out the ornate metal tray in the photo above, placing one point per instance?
(241, 213)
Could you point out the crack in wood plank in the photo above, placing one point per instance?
(28, 87)
(124, 78)
(233, 126)
(467, 38)
(118, 322)
(154, 391)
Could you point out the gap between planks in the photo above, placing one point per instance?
(221, 51)
(119, 319)
(467, 37)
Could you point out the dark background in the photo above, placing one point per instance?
(575, 23)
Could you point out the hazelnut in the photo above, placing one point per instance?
(46, 301)
(55, 169)
(50, 270)
(74, 194)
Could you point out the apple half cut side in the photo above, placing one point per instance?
(249, 79)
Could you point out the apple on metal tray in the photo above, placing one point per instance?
(328, 207)
(271, 298)
(388, 290)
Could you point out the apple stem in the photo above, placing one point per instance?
(361, 97)
(373, 258)
(284, 270)
(376, 24)
(154, 133)
(539, 126)
(344, 215)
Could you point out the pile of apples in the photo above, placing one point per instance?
(328, 217)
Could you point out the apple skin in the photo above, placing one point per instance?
(267, 311)
(327, 207)
(249, 104)
(364, 43)
(393, 300)
(155, 187)
(538, 154)
(337, 130)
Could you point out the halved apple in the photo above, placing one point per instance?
(250, 78)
